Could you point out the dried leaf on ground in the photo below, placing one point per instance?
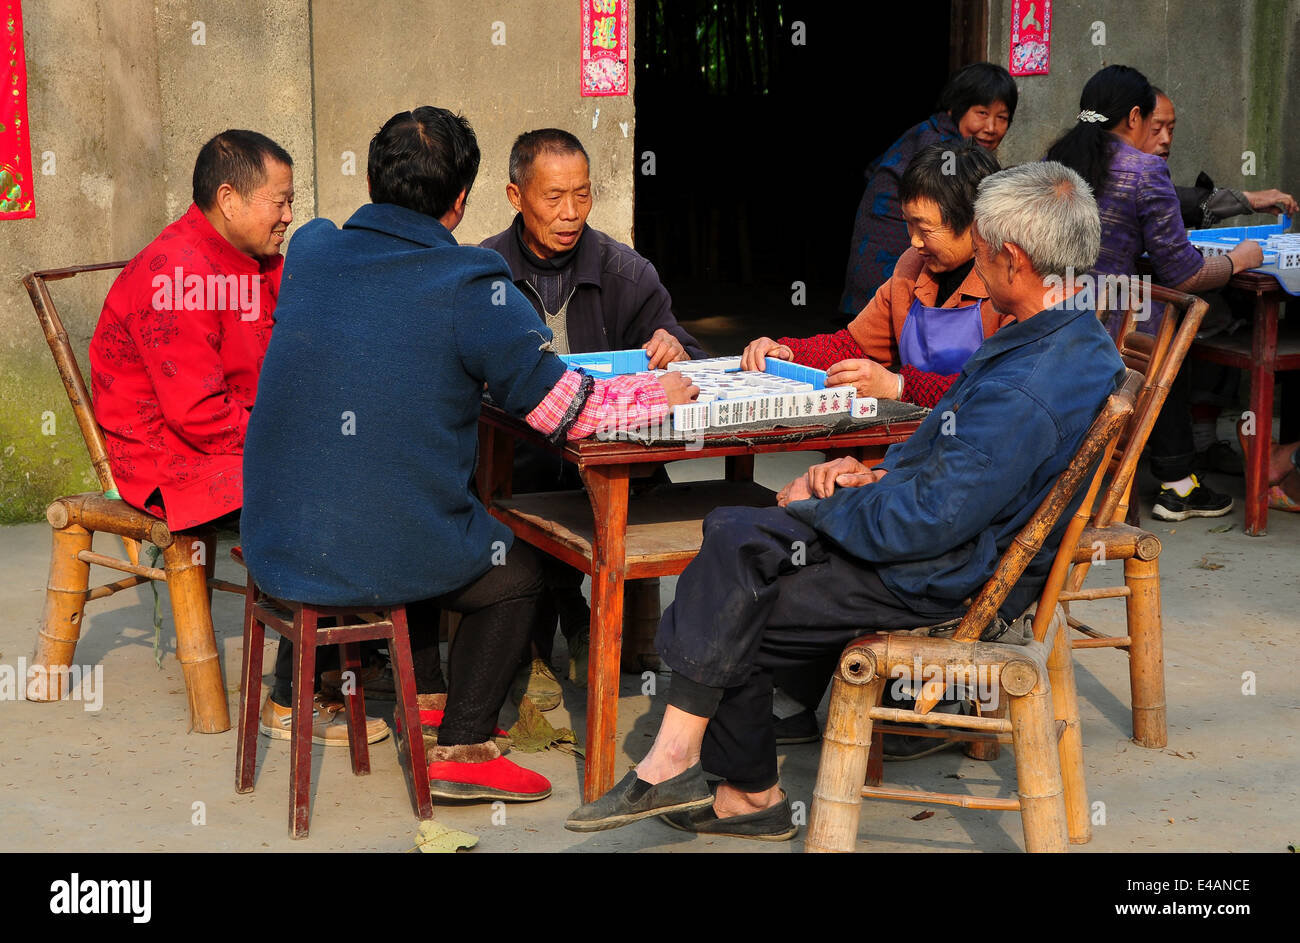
(923, 815)
(1221, 529)
(533, 733)
(1205, 563)
(433, 837)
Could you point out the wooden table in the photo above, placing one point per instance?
(658, 534)
(1261, 353)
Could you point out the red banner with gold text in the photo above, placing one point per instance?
(16, 199)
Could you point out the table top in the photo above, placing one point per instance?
(593, 451)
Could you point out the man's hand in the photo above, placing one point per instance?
(844, 472)
(757, 352)
(664, 349)
(1246, 254)
(797, 490)
(869, 377)
(1271, 201)
(678, 389)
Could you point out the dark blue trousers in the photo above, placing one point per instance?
(765, 592)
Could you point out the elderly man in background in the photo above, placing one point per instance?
(595, 294)
(895, 547)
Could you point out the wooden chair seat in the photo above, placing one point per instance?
(301, 623)
(1034, 684)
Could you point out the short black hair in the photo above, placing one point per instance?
(235, 157)
(531, 144)
(980, 83)
(950, 175)
(422, 159)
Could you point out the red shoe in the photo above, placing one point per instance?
(485, 778)
(432, 719)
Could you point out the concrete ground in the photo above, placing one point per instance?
(129, 777)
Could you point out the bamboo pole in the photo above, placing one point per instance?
(837, 794)
(1038, 771)
(961, 721)
(1146, 651)
(941, 798)
(196, 645)
(65, 604)
(1101, 592)
(113, 563)
(98, 513)
(1115, 641)
(1069, 744)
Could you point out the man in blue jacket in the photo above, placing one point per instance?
(900, 546)
(362, 441)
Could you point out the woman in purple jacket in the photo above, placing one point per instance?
(1140, 214)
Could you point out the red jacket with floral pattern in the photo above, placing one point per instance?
(173, 368)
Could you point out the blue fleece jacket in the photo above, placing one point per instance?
(363, 437)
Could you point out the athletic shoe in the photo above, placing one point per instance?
(329, 723)
(1201, 502)
(1222, 458)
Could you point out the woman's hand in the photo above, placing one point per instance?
(867, 376)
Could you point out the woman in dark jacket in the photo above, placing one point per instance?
(978, 102)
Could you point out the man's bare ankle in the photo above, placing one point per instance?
(731, 801)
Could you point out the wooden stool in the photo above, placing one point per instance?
(300, 623)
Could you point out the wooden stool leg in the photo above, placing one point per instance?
(987, 750)
(65, 604)
(837, 795)
(304, 682)
(355, 704)
(1038, 771)
(196, 645)
(250, 695)
(1065, 709)
(404, 676)
(876, 759)
(1146, 652)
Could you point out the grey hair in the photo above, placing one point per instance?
(1046, 209)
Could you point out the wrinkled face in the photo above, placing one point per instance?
(987, 124)
(256, 226)
(986, 269)
(940, 248)
(554, 201)
(1161, 136)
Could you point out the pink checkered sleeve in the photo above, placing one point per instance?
(636, 399)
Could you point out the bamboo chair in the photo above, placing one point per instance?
(189, 557)
(1037, 680)
(1107, 537)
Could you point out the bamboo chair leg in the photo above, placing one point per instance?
(304, 695)
(837, 795)
(65, 605)
(1038, 771)
(1065, 709)
(250, 696)
(196, 644)
(1146, 653)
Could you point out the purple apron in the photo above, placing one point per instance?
(940, 340)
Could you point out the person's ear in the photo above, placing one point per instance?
(459, 205)
(370, 192)
(515, 196)
(228, 200)
(1135, 117)
(1018, 260)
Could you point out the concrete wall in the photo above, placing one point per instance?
(1231, 69)
(441, 52)
(120, 99)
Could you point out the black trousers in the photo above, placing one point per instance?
(497, 612)
(745, 607)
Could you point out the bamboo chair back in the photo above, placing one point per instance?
(66, 362)
(1098, 443)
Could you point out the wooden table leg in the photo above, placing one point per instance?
(607, 488)
(1258, 447)
(739, 467)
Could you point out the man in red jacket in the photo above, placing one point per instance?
(179, 345)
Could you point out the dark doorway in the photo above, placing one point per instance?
(759, 146)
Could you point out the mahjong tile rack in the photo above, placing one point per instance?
(732, 400)
(1281, 248)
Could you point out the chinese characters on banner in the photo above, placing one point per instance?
(1031, 37)
(15, 150)
(604, 47)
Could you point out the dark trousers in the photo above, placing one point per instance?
(1171, 449)
(497, 612)
(745, 608)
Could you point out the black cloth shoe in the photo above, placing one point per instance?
(1201, 502)
(797, 728)
(775, 823)
(1222, 458)
(633, 799)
